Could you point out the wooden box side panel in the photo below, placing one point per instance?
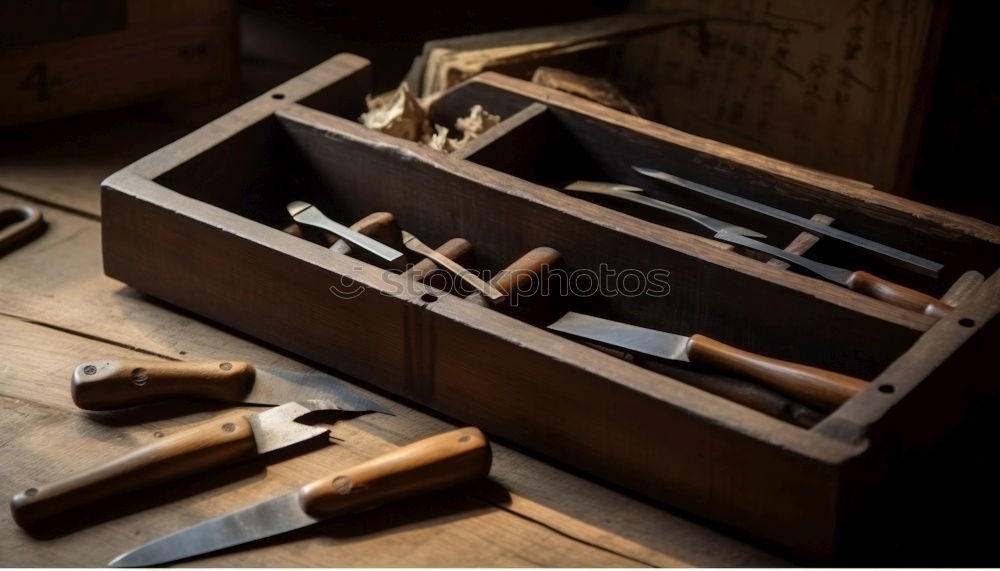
(558, 407)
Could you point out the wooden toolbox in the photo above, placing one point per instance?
(201, 223)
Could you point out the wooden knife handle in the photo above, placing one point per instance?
(810, 385)
(900, 296)
(519, 273)
(107, 385)
(427, 465)
(205, 446)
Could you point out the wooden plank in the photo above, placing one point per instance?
(837, 86)
(73, 295)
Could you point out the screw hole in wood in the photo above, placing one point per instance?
(887, 389)
(966, 322)
(277, 96)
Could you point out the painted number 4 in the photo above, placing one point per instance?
(38, 80)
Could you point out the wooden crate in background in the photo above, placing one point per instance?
(61, 57)
(839, 86)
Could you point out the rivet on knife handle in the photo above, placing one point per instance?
(427, 465)
(810, 385)
(209, 445)
(107, 385)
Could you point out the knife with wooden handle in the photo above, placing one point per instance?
(107, 385)
(817, 387)
(428, 465)
(220, 441)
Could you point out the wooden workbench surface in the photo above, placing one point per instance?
(57, 309)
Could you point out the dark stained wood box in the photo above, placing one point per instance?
(199, 224)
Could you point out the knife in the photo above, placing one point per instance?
(427, 465)
(888, 253)
(305, 213)
(107, 385)
(810, 385)
(220, 441)
(859, 281)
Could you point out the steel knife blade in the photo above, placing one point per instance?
(810, 385)
(107, 385)
(305, 213)
(888, 253)
(431, 464)
(223, 440)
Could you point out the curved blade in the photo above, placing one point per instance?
(273, 386)
(647, 341)
(278, 515)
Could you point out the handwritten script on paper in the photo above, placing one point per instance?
(829, 84)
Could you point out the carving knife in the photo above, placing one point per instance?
(305, 213)
(221, 441)
(108, 385)
(810, 385)
(859, 281)
(888, 253)
(427, 465)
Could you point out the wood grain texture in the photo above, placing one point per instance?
(817, 83)
(193, 451)
(434, 463)
(812, 386)
(108, 385)
(69, 311)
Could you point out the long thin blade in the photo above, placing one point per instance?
(305, 213)
(832, 273)
(274, 386)
(629, 193)
(888, 253)
(279, 515)
(647, 341)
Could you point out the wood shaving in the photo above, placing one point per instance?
(400, 114)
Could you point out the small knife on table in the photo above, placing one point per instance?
(810, 385)
(427, 465)
(107, 385)
(226, 439)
